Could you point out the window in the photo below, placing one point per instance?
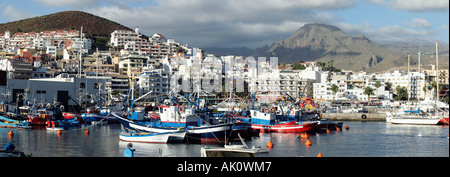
(41, 92)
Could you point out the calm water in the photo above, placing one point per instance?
(364, 139)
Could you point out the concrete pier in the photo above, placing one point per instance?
(355, 116)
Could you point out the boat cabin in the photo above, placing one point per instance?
(262, 118)
(177, 116)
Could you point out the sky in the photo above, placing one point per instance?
(254, 23)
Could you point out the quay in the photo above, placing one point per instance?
(355, 116)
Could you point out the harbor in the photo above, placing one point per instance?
(87, 86)
(362, 139)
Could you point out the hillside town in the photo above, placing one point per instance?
(61, 64)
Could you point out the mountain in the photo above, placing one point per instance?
(67, 20)
(321, 42)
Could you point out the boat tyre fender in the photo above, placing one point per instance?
(363, 116)
(181, 108)
(291, 112)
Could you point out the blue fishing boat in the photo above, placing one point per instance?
(8, 123)
(92, 115)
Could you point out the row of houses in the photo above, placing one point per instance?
(159, 66)
(51, 42)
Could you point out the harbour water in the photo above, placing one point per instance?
(363, 139)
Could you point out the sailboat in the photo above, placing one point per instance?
(420, 117)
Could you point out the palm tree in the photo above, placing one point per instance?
(368, 91)
(335, 89)
(388, 86)
(378, 85)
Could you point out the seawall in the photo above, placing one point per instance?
(355, 116)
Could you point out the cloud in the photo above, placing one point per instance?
(414, 5)
(421, 23)
(13, 13)
(70, 3)
(224, 23)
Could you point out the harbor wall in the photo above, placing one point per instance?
(355, 116)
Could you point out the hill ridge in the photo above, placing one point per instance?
(66, 20)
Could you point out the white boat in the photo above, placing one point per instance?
(415, 120)
(55, 128)
(232, 150)
(160, 138)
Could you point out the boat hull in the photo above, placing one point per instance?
(210, 134)
(175, 136)
(443, 121)
(90, 117)
(69, 115)
(37, 121)
(159, 138)
(414, 121)
(286, 127)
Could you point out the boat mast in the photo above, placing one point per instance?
(409, 79)
(437, 72)
(437, 78)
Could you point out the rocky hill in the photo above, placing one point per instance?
(67, 20)
(320, 42)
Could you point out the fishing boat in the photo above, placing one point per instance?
(8, 123)
(92, 115)
(40, 119)
(266, 122)
(151, 127)
(63, 123)
(286, 127)
(210, 133)
(71, 115)
(160, 138)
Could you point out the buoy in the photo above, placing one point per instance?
(11, 133)
(308, 143)
(319, 155)
(59, 132)
(347, 127)
(338, 129)
(86, 132)
(270, 144)
(328, 131)
(304, 136)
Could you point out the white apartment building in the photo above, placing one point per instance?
(350, 85)
(42, 40)
(414, 82)
(119, 38)
(155, 81)
(132, 64)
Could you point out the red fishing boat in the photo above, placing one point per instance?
(40, 118)
(37, 120)
(288, 127)
(70, 115)
(266, 122)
